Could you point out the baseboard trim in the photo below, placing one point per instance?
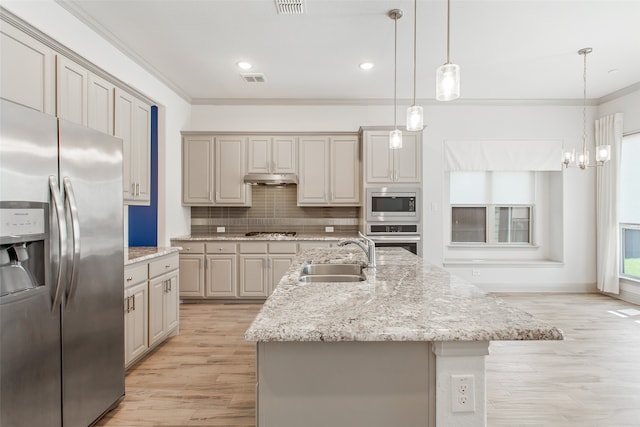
(538, 287)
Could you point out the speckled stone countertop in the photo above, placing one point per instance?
(145, 253)
(298, 236)
(403, 299)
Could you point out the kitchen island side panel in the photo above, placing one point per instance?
(341, 384)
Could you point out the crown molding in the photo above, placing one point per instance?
(111, 38)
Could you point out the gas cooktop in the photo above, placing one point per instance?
(270, 233)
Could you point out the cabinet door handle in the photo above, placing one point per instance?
(210, 196)
(127, 309)
(133, 299)
(169, 282)
(167, 266)
(138, 184)
(395, 176)
(129, 279)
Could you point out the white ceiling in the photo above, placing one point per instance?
(507, 49)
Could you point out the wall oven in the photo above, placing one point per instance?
(393, 204)
(389, 235)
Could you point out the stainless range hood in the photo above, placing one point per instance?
(271, 178)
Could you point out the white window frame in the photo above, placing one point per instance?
(490, 229)
(626, 226)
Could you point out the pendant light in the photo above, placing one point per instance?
(395, 136)
(415, 115)
(448, 74)
(603, 152)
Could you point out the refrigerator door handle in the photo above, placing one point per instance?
(75, 237)
(62, 239)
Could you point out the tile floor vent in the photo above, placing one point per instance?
(253, 77)
(290, 7)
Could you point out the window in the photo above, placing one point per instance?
(493, 208)
(630, 207)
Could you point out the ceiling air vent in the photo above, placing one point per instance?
(290, 7)
(253, 77)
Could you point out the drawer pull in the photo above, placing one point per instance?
(167, 266)
(129, 279)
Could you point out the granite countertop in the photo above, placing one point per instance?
(144, 253)
(237, 237)
(403, 299)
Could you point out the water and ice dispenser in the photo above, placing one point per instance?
(23, 242)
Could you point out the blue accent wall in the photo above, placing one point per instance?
(143, 220)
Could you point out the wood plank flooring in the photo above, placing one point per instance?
(206, 375)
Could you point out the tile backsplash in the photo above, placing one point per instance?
(274, 209)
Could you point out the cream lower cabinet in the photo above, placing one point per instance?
(262, 265)
(151, 305)
(136, 303)
(192, 266)
(233, 270)
(163, 298)
(221, 270)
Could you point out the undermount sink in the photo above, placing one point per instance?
(332, 273)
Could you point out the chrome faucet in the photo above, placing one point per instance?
(369, 248)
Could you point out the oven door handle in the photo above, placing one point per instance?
(404, 238)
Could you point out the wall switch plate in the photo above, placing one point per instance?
(463, 393)
(220, 229)
(328, 229)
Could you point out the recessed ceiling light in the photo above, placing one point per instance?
(244, 65)
(366, 65)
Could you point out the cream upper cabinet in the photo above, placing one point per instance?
(100, 104)
(198, 153)
(71, 91)
(27, 70)
(83, 97)
(272, 154)
(213, 170)
(386, 166)
(133, 125)
(345, 170)
(230, 171)
(329, 171)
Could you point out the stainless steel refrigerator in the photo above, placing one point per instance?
(61, 271)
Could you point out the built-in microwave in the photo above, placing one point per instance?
(393, 204)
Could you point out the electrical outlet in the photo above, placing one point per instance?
(463, 393)
(475, 272)
(328, 229)
(220, 229)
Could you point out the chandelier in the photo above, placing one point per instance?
(603, 152)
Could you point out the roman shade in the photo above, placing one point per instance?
(503, 155)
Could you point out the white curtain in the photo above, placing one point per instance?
(608, 131)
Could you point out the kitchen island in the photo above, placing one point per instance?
(405, 347)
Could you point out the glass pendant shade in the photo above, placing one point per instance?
(448, 82)
(568, 157)
(583, 159)
(415, 118)
(395, 139)
(603, 153)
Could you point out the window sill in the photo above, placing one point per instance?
(502, 263)
(629, 278)
(490, 246)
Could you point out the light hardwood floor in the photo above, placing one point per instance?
(206, 375)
